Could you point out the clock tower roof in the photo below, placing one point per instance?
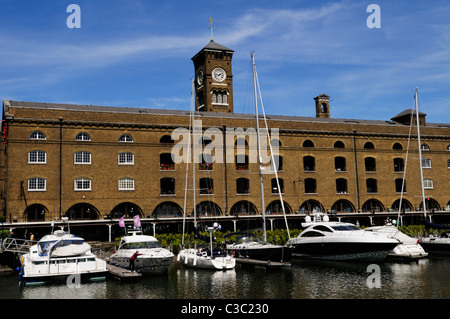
(213, 46)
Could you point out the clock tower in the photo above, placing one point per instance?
(213, 78)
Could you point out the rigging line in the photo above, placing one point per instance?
(404, 170)
(272, 157)
(416, 98)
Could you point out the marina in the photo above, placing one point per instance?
(428, 278)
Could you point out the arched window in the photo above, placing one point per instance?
(82, 137)
(166, 162)
(339, 144)
(37, 135)
(369, 145)
(339, 164)
(308, 143)
(425, 147)
(397, 146)
(166, 139)
(399, 165)
(125, 138)
(243, 208)
(372, 205)
(167, 209)
(309, 164)
(370, 164)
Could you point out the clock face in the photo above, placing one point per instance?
(200, 78)
(219, 74)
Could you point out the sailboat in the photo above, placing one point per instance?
(249, 245)
(409, 249)
(432, 244)
(201, 258)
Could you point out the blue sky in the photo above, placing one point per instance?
(138, 53)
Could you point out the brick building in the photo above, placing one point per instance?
(96, 162)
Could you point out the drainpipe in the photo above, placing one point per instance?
(60, 166)
(356, 169)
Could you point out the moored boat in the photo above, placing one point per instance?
(340, 241)
(409, 249)
(152, 259)
(59, 255)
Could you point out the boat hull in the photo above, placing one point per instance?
(436, 246)
(192, 259)
(153, 265)
(262, 252)
(343, 251)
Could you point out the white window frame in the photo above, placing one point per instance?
(126, 184)
(83, 137)
(82, 184)
(37, 184)
(426, 163)
(37, 157)
(37, 135)
(428, 183)
(126, 138)
(81, 158)
(126, 158)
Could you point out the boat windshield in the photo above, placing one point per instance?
(141, 245)
(344, 227)
(45, 245)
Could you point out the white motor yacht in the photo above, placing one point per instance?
(408, 249)
(60, 255)
(340, 241)
(152, 259)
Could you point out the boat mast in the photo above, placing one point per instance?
(188, 158)
(194, 137)
(259, 149)
(416, 99)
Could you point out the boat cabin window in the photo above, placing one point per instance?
(345, 227)
(312, 233)
(141, 245)
(323, 228)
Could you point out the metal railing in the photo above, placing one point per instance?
(15, 245)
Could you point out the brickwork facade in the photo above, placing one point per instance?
(93, 162)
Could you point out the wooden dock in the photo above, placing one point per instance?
(122, 273)
(261, 264)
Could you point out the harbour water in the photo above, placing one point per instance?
(427, 279)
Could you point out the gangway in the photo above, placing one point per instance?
(15, 245)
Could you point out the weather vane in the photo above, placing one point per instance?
(211, 26)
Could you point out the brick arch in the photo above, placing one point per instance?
(82, 211)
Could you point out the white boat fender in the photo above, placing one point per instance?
(195, 260)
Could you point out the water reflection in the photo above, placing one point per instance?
(429, 278)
